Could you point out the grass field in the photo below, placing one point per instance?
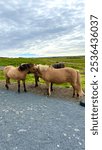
(77, 62)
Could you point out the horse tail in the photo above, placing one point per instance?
(78, 79)
(79, 88)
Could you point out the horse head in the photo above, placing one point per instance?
(26, 67)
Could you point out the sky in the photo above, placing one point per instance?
(42, 28)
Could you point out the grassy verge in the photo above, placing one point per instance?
(74, 62)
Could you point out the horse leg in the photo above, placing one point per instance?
(48, 88)
(73, 92)
(51, 87)
(36, 80)
(74, 89)
(18, 86)
(77, 95)
(7, 82)
(6, 85)
(24, 85)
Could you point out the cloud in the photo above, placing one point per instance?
(41, 28)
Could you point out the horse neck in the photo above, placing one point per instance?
(27, 71)
(42, 72)
(43, 68)
(24, 72)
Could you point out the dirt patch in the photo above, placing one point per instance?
(58, 92)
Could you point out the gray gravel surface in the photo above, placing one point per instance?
(32, 122)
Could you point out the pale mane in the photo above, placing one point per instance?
(43, 67)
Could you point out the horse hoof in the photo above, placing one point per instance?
(7, 87)
(73, 96)
(36, 86)
(49, 94)
(77, 95)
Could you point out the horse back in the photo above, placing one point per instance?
(14, 73)
(59, 75)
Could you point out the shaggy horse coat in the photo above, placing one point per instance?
(56, 65)
(17, 73)
(58, 76)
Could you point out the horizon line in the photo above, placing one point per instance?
(47, 56)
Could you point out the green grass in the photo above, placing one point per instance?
(77, 62)
(1, 75)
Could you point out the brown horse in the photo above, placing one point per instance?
(56, 65)
(17, 73)
(58, 76)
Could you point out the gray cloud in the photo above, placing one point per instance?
(41, 27)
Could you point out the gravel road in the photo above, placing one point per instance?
(33, 122)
